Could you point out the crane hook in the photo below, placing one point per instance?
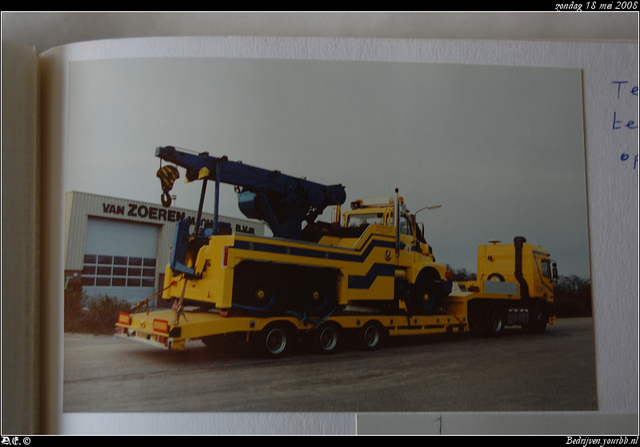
(167, 175)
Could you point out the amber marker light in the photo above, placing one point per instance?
(124, 318)
(161, 326)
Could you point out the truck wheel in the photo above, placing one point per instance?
(275, 340)
(494, 323)
(425, 299)
(497, 277)
(371, 335)
(539, 319)
(326, 338)
(320, 295)
(263, 294)
(257, 287)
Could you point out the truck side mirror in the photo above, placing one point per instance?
(555, 271)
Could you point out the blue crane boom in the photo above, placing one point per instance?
(283, 202)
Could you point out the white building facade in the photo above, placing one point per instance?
(119, 247)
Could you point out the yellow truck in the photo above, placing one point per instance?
(309, 267)
(514, 286)
(366, 273)
(368, 260)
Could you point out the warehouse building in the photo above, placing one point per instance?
(120, 247)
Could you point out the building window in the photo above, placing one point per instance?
(118, 271)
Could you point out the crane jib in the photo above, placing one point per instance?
(280, 200)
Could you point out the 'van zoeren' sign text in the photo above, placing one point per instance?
(163, 214)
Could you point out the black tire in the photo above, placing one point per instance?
(425, 297)
(258, 287)
(326, 338)
(494, 321)
(319, 294)
(275, 340)
(496, 277)
(538, 319)
(371, 336)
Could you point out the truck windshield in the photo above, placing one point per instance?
(355, 220)
(405, 226)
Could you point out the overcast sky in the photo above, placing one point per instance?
(500, 148)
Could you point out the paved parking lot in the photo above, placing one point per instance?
(553, 371)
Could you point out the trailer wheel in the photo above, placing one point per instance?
(372, 335)
(494, 323)
(326, 338)
(275, 340)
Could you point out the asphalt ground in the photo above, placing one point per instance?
(552, 371)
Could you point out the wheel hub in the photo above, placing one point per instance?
(276, 341)
(371, 336)
(328, 339)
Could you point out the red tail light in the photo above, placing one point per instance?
(225, 256)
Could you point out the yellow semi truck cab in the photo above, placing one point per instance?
(527, 266)
(523, 274)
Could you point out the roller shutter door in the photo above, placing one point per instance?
(120, 259)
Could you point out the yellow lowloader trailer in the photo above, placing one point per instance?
(514, 288)
(368, 274)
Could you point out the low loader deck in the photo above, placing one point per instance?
(162, 329)
(156, 328)
(169, 330)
